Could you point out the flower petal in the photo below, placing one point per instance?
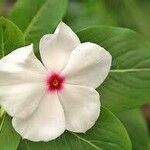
(46, 123)
(89, 65)
(81, 106)
(22, 99)
(21, 75)
(21, 65)
(55, 48)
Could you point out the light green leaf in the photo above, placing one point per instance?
(37, 17)
(107, 134)
(136, 127)
(128, 83)
(149, 145)
(9, 139)
(10, 37)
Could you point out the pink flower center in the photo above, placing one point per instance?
(55, 82)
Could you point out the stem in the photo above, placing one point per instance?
(2, 112)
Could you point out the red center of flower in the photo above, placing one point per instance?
(55, 82)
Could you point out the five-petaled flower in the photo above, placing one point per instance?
(47, 99)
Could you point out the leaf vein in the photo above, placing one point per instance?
(129, 70)
(86, 141)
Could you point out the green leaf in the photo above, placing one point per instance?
(107, 134)
(37, 17)
(23, 145)
(1, 7)
(96, 10)
(149, 145)
(128, 83)
(10, 37)
(133, 14)
(136, 127)
(9, 139)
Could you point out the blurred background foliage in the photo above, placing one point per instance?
(133, 14)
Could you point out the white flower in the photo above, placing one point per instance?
(47, 99)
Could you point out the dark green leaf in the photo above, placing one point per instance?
(137, 128)
(128, 83)
(107, 134)
(80, 11)
(23, 145)
(10, 37)
(9, 139)
(132, 14)
(1, 6)
(37, 17)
